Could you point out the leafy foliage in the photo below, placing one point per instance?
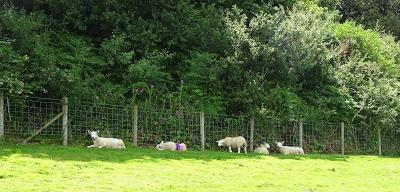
(278, 58)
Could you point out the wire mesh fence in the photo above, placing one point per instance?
(270, 130)
(361, 139)
(322, 138)
(155, 126)
(25, 115)
(220, 126)
(391, 141)
(109, 120)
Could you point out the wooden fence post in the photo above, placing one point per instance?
(65, 121)
(1, 115)
(202, 136)
(379, 141)
(301, 133)
(135, 125)
(251, 133)
(342, 137)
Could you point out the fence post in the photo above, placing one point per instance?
(342, 137)
(251, 133)
(135, 125)
(202, 136)
(379, 141)
(301, 133)
(1, 115)
(65, 121)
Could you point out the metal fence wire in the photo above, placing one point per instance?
(109, 120)
(155, 126)
(220, 126)
(322, 138)
(391, 141)
(270, 130)
(360, 139)
(23, 116)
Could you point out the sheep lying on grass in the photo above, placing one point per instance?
(171, 146)
(233, 142)
(262, 149)
(289, 150)
(101, 142)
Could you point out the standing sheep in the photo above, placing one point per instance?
(262, 149)
(171, 146)
(289, 150)
(101, 142)
(233, 142)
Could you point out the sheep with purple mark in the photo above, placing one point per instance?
(171, 146)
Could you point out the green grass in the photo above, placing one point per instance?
(57, 168)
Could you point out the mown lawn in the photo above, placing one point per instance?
(57, 168)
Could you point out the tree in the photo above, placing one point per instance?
(373, 13)
(368, 74)
(290, 51)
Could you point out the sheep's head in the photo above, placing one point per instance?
(279, 144)
(159, 147)
(221, 142)
(93, 134)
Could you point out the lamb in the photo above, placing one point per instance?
(289, 150)
(171, 146)
(233, 142)
(262, 149)
(101, 142)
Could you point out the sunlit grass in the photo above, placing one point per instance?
(57, 168)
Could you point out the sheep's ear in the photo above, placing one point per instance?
(162, 142)
(283, 142)
(98, 131)
(88, 131)
(276, 142)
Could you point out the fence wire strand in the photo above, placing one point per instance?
(23, 116)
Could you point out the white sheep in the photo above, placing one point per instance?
(101, 142)
(289, 150)
(262, 149)
(233, 142)
(171, 146)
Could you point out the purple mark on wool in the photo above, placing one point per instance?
(178, 147)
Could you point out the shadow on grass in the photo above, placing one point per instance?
(83, 154)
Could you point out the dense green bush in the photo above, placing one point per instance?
(285, 59)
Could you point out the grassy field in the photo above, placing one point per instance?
(57, 168)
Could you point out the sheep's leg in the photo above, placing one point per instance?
(91, 146)
(230, 149)
(238, 149)
(100, 146)
(245, 150)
